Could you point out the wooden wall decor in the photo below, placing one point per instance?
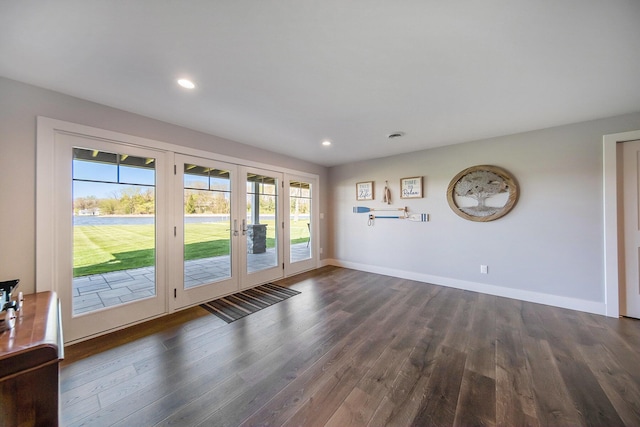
(364, 190)
(482, 193)
(411, 188)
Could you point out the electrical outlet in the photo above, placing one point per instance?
(320, 251)
(484, 269)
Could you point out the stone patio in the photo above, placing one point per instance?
(104, 290)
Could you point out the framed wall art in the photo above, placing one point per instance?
(364, 190)
(411, 188)
(482, 193)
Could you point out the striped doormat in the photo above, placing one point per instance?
(241, 304)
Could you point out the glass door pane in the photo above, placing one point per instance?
(109, 216)
(299, 221)
(260, 225)
(261, 252)
(114, 229)
(207, 225)
(301, 252)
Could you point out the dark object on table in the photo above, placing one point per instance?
(8, 306)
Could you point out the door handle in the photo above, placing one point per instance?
(235, 227)
(244, 227)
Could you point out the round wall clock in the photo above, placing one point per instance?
(482, 193)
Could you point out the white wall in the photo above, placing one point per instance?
(20, 104)
(548, 249)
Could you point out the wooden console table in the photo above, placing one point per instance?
(29, 357)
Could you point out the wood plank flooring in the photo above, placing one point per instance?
(360, 349)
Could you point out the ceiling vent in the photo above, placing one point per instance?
(395, 135)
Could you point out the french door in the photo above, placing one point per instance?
(229, 232)
(261, 248)
(300, 223)
(109, 228)
(206, 233)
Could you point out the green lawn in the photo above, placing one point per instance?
(106, 248)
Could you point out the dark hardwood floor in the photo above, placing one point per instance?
(356, 348)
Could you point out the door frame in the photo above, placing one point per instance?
(95, 322)
(46, 129)
(298, 267)
(183, 298)
(250, 280)
(612, 205)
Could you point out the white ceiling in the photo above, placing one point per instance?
(284, 75)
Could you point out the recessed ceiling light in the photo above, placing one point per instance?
(186, 83)
(326, 143)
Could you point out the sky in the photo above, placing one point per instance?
(108, 173)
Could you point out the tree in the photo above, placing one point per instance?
(108, 206)
(480, 185)
(144, 201)
(190, 205)
(133, 200)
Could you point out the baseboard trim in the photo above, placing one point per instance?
(519, 294)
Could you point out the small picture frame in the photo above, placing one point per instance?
(411, 188)
(364, 190)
